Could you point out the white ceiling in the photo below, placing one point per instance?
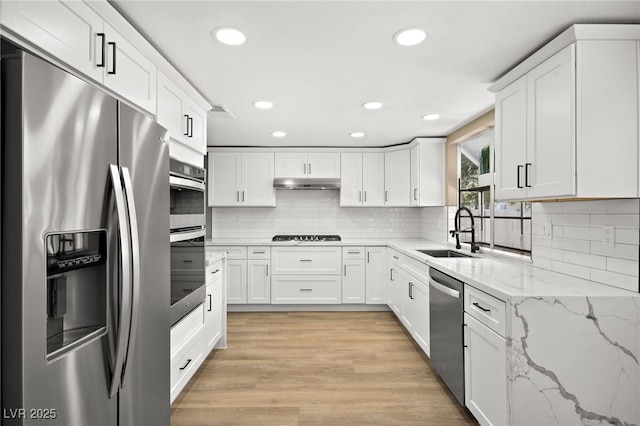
(318, 61)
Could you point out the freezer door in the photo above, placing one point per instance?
(59, 137)
(144, 155)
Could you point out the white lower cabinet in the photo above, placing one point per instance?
(306, 289)
(213, 315)
(376, 273)
(187, 349)
(485, 357)
(258, 281)
(408, 297)
(353, 281)
(237, 290)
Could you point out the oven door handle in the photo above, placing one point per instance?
(178, 182)
(188, 235)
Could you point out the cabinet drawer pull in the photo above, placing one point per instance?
(190, 126)
(391, 273)
(415, 196)
(210, 303)
(306, 260)
(104, 50)
(185, 366)
(306, 289)
(354, 252)
(411, 291)
(267, 270)
(113, 69)
(243, 196)
(216, 271)
(368, 257)
(480, 307)
(527, 167)
(304, 168)
(365, 196)
(345, 270)
(359, 196)
(309, 169)
(187, 261)
(258, 252)
(386, 196)
(396, 257)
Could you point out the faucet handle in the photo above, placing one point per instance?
(453, 233)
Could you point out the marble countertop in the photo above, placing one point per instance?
(503, 278)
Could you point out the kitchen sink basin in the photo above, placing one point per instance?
(444, 253)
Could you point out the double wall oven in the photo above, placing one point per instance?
(187, 220)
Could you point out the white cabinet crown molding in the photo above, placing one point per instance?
(570, 35)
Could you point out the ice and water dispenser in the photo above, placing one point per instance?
(76, 289)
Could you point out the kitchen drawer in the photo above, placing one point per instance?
(214, 272)
(418, 269)
(181, 332)
(354, 253)
(306, 289)
(234, 252)
(259, 253)
(183, 259)
(486, 309)
(306, 260)
(185, 361)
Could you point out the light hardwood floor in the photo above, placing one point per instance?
(317, 368)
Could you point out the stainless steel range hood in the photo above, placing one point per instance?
(306, 183)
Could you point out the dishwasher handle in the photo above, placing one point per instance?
(444, 289)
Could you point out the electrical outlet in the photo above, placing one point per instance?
(548, 230)
(608, 236)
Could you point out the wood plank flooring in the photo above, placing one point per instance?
(317, 368)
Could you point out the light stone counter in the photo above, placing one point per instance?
(573, 346)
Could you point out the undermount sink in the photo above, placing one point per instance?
(444, 253)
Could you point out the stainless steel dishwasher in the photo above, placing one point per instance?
(446, 309)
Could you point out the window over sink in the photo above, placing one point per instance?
(498, 225)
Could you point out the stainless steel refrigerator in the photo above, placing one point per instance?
(85, 253)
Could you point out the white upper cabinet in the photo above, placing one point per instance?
(427, 172)
(65, 30)
(307, 165)
(362, 179)
(397, 178)
(567, 126)
(172, 108)
(73, 33)
(185, 120)
(127, 71)
(240, 179)
(511, 126)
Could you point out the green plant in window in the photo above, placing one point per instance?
(484, 160)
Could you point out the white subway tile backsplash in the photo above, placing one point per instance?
(574, 248)
(571, 269)
(631, 206)
(620, 251)
(622, 266)
(584, 259)
(626, 282)
(570, 219)
(578, 225)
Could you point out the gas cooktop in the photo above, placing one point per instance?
(306, 238)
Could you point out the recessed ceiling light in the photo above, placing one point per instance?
(357, 134)
(430, 117)
(263, 104)
(279, 134)
(229, 36)
(410, 37)
(372, 105)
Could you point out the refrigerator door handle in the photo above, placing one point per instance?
(135, 258)
(122, 335)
